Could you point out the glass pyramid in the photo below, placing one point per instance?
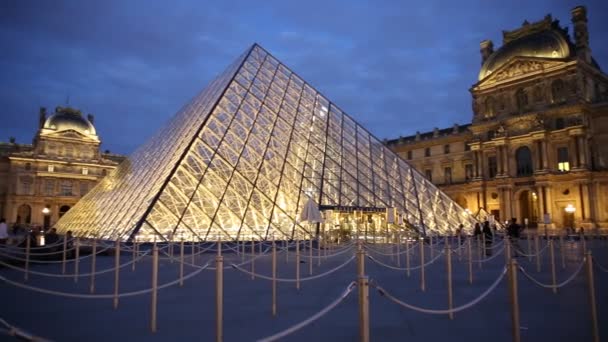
(238, 161)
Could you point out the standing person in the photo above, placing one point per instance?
(3, 231)
(513, 230)
(488, 235)
(477, 230)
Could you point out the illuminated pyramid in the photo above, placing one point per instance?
(238, 161)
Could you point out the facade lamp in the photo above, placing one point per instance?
(570, 209)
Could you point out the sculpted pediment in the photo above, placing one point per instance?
(518, 67)
(71, 134)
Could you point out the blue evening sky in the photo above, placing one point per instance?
(395, 66)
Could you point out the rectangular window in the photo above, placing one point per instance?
(467, 147)
(409, 155)
(468, 172)
(492, 167)
(85, 171)
(84, 187)
(427, 152)
(563, 161)
(446, 149)
(447, 175)
(66, 188)
(49, 187)
(429, 175)
(26, 187)
(51, 168)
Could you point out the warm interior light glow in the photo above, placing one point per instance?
(563, 166)
(570, 208)
(46, 211)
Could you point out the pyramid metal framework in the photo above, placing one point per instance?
(238, 161)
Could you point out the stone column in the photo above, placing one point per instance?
(585, 202)
(549, 202)
(574, 148)
(505, 155)
(582, 151)
(508, 203)
(475, 164)
(540, 191)
(545, 154)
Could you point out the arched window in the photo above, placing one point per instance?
(490, 107)
(557, 91)
(523, 157)
(521, 98)
(537, 94)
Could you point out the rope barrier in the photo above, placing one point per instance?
(602, 268)
(405, 268)
(19, 333)
(312, 318)
(387, 295)
(550, 286)
(333, 255)
(54, 261)
(53, 275)
(540, 252)
(264, 254)
(290, 280)
(389, 254)
(96, 296)
(490, 258)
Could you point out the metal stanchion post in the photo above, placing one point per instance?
(134, 254)
(181, 263)
(63, 257)
(431, 252)
(562, 250)
(286, 251)
(297, 264)
(479, 251)
(310, 256)
(512, 277)
(252, 259)
(507, 251)
(28, 244)
(470, 254)
(529, 247)
(422, 280)
(274, 279)
(154, 288)
(76, 259)
(192, 254)
(583, 244)
(318, 252)
(93, 261)
(170, 251)
(219, 297)
(407, 257)
(398, 250)
(363, 284)
(459, 240)
(116, 271)
(448, 259)
(552, 255)
(537, 253)
(591, 287)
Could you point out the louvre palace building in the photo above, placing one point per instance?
(40, 182)
(537, 146)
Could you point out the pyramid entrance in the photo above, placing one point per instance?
(238, 161)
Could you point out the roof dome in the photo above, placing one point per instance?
(546, 44)
(65, 119)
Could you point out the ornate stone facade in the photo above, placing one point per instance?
(39, 182)
(538, 141)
